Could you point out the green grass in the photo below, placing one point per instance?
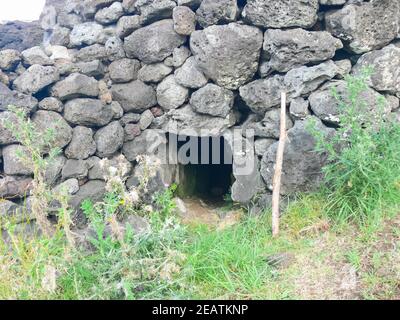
(178, 262)
(231, 262)
(354, 258)
(363, 175)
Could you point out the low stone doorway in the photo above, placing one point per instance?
(205, 167)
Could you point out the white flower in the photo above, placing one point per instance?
(133, 196)
(103, 163)
(112, 171)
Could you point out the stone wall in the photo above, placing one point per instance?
(111, 73)
(20, 35)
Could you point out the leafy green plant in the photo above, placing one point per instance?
(34, 249)
(164, 201)
(37, 144)
(363, 175)
(125, 265)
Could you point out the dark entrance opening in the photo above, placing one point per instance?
(205, 166)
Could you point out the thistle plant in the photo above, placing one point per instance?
(36, 145)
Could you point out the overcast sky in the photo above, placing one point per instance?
(26, 10)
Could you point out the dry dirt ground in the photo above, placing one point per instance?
(340, 266)
(347, 265)
(211, 213)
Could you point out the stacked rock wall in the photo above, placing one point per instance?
(20, 35)
(111, 73)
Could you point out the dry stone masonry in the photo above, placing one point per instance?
(110, 74)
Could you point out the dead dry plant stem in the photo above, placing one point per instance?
(65, 220)
(40, 203)
(278, 169)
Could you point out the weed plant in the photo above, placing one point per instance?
(363, 173)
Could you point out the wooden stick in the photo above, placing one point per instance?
(278, 169)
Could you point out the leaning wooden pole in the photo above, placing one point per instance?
(278, 169)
